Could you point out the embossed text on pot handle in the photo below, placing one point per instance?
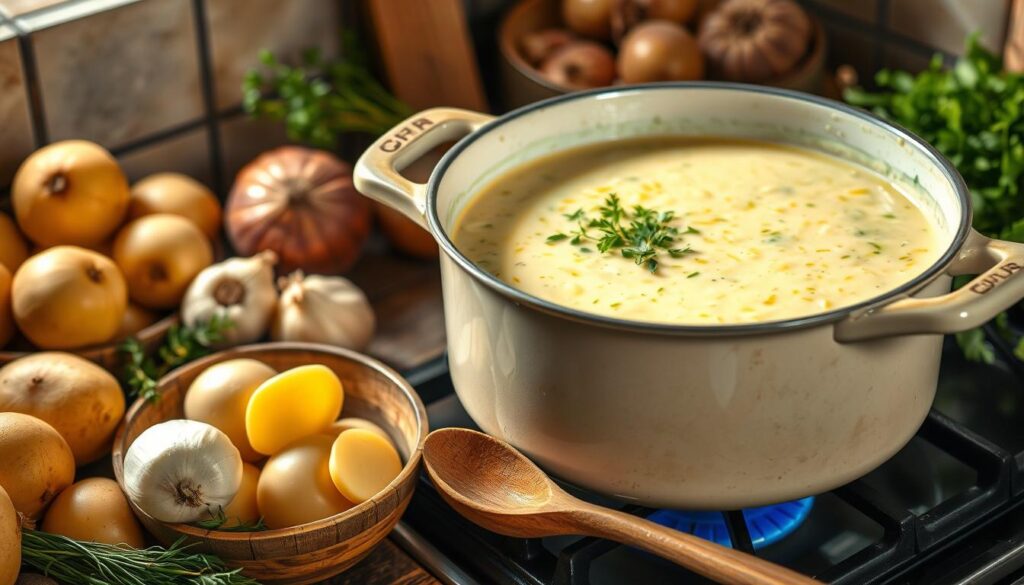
(377, 173)
(999, 285)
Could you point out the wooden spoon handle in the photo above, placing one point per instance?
(716, 562)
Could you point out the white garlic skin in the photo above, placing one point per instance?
(179, 470)
(250, 315)
(323, 309)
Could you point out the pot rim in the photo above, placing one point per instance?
(522, 298)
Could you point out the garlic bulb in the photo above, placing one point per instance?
(323, 309)
(239, 289)
(180, 470)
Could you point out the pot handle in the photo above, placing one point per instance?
(376, 174)
(999, 286)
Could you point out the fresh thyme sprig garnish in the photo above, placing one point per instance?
(639, 235)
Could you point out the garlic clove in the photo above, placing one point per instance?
(240, 290)
(181, 470)
(323, 309)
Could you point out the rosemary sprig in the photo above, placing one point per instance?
(183, 344)
(217, 523)
(640, 234)
(93, 563)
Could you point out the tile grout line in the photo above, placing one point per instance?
(877, 31)
(33, 89)
(159, 137)
(212, 119)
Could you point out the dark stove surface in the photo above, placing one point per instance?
(948, 508)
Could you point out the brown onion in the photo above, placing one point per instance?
(301, 204)
(628, 13)
(659, 50)
(537, 46)
(580, 65)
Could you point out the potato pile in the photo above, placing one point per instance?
(57, 412)
(89, 260)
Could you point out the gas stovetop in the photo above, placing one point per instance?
(947, 509)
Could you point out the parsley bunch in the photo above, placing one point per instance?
(974, 114)
(318, 100)
(647, 233)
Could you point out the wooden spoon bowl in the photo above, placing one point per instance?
(492, 484)
(311, 552)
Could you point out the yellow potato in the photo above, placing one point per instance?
(243, 509)
(362, 464)
(341, 425)
(6, 316)
(294, 404)
(13, 249)
(95, 510)
(295, 485)
(10, 541)
(75, 396)
(220, 395)
(35, 462)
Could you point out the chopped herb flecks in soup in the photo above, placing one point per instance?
(697, 232)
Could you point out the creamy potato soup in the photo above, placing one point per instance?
(725, 232)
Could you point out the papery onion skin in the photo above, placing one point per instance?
(323, 309)
(239, 290)
(301, 204)
(179, 470)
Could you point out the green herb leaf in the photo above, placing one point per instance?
(319, 100)
(640, 234)
(182, 344)
(975, 347)
(973, 114)
(93, 563)
(219, 519)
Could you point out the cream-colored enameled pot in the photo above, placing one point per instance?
(702, 417)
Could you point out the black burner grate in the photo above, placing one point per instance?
(884, 528)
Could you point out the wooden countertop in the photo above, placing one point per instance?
(386, 565)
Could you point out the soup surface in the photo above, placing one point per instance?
(756, 231)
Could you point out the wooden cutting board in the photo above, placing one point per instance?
(426, 52)
(1013, 50)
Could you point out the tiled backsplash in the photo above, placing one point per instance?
(871, 34)
(155, 81)
(158, 81)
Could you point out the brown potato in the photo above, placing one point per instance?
(35, 462)
(10, 540)
(79, 399)
(96, 510)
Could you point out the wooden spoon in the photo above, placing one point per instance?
(491, 483)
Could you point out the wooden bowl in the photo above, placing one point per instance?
(522, 84)
(316, 551)
(108, 356)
